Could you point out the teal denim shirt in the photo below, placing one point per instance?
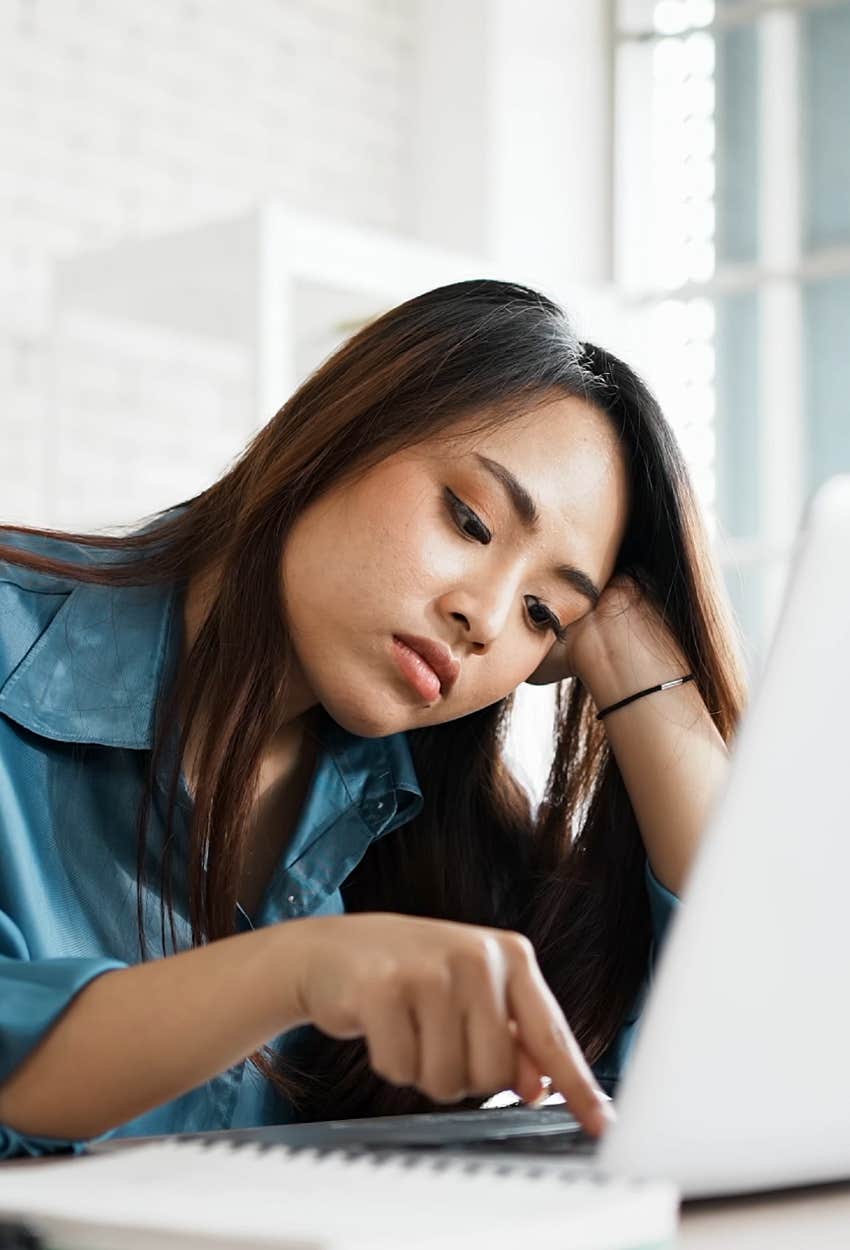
(80, 669)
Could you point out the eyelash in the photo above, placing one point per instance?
(457, 508)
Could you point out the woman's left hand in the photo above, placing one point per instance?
(621, 603)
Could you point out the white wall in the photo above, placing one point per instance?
(121, 119)
(512, 138)
(483, 126)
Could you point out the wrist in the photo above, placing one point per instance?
(622, 665)
(291, 946)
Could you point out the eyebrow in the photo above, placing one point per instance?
(528, 513)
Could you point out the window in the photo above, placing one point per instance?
(732, 190)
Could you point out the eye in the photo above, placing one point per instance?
(463, 516)
(550, 621)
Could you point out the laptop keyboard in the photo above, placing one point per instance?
(573, 1143)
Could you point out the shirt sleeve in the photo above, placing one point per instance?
(33, 995)
(663, 904)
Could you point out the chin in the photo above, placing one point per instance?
(358, 716)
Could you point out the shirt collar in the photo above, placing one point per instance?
(94, 673)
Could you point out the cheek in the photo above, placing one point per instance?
(414, 556)
(354, 566)
(318, 570)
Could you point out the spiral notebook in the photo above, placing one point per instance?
(189, 1195)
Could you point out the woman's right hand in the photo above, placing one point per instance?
(454, 1009)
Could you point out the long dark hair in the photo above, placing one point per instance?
(569, 875)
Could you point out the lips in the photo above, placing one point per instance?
(437, 655)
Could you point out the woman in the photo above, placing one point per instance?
(214, 720)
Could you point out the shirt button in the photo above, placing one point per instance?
(375, 810)
(292, 900)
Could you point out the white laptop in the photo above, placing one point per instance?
(739, 1079)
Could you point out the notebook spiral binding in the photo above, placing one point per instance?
(422, 1159)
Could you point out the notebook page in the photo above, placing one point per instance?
(248, 1195)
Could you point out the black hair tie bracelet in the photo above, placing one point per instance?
(664, 685)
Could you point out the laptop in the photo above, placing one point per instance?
(738, 1081)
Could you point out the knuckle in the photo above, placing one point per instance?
(475, 959)
(432, 979)
(342, 1020)
(444, 1091)
(393, 1070)
(381, 979)
(443, 1078)
(492, 1080)
(521, 946)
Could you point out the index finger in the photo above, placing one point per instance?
(549, 1041)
